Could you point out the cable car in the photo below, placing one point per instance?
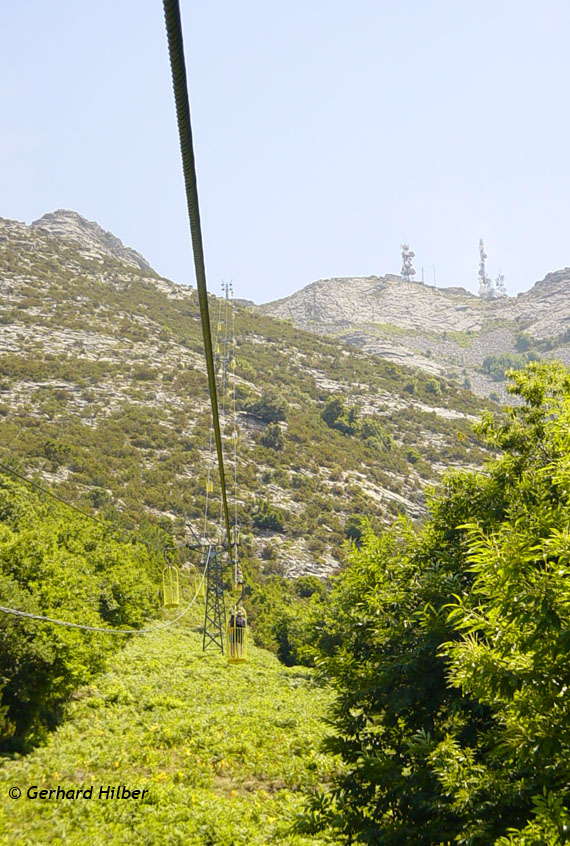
(237, 635)
(197, 581)
(170, 586)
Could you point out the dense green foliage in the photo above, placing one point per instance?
(225, 753)
(448, 649)
(55, 563)
(271, 407)
(348, 420)
(497, 366)
(272, 436)
(284, 613)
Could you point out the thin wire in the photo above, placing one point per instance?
(17, 613)
(234, 434)
(210, 460)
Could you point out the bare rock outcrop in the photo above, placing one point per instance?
(92, 238)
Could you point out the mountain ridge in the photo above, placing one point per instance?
(445, 331)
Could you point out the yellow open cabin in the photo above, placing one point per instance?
(237, 636)
(170, 587)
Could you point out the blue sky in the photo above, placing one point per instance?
(326, 133)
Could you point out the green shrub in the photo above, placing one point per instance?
(271, 408)
(56, 563)
(448, 649)
(273, 437)
(266, 516)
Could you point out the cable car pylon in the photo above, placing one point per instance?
(215, 612)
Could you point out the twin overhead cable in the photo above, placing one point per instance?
(99, 629)
(180, 87)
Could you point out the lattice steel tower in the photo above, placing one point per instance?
(489, 290)
(215, 611)
(408, 271)
(485, 283)
(218, 557)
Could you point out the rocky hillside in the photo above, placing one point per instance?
(445, 331)
(103, 393)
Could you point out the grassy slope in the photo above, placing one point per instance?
(222, 750)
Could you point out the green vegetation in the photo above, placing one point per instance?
(225, 753)
(523, 342)
(54, 562)
(348, 421)
(267, 516)
(448, 650)
(381, 329)
(271, 408)
(498, 365)
(273, 437)
(462, 338)
(283, 615)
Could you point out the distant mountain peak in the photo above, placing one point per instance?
(445, 331)
(92, 237)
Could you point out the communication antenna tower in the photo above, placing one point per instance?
(486, 290)
(500, 287)
(408, 270)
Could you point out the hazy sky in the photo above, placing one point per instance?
(326, 132)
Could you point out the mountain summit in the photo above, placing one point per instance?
(93, 239)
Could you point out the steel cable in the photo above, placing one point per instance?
(180, 88)
(100, 630)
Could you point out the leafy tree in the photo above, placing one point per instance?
(272, 407)
(497, 366)
(58, 564)
(523, 342)
(337, 416)
(272, 436)
(355, 529)
(448, 649)
(433, 387)
(266, 516)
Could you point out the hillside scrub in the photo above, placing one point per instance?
(102, 385)
(447, 648)
(58, 564)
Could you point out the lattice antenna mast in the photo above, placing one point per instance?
(486, 290)
(500, 287)
(408, 271)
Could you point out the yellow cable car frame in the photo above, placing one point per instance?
(170, 587)
(237, 637)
